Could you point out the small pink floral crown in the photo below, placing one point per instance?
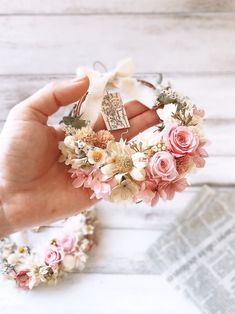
(66, 252)
(146, 169)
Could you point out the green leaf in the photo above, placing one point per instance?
(75, 122)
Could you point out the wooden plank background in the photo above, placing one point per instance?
(115, 7)
(193, 44)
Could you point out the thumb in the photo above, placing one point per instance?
(50, 98)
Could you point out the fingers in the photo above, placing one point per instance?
(138, 124)
(133, 109)
(49, 99)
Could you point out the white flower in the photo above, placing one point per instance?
(84, 245)
(166, 112)
(150, 139)
(76, 163)
(73, 152)
(122, 161)
(139, 163)
(88, 229)
(124, 191)
(67, 153)
(69, 262)
(69, 141)
(75, 223)
(96, 156)
(80, 260)
(34, 278)
(81, 147)
(76, 261)
(13, 259)
(49, 275)
(80, 144)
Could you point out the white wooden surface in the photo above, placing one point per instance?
(193, 44)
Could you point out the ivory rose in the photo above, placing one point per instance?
(162, 165)
(180, 140)
(53, 256)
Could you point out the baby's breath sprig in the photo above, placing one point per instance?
(183, 115)
(169, 96)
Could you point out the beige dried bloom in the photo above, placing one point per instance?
(183, 164)
(103, 137)
(87, 135)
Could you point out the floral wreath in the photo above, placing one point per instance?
(65, 253)
(146, 169)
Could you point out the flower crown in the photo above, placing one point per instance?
(66, 252)
(146, 169)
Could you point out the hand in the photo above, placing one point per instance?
(34, 187)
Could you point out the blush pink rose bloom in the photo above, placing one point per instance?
(200, 154)
(22, 279)
(162, 165)
(54, 255)
(180, 140)
(148, 193)
(68, 243)
(101, 187)
(151, 191)
(167, 190)
(82, 177)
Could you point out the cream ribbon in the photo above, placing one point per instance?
(120, 78)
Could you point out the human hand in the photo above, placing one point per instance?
(34, 187)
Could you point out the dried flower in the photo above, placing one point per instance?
(103, 137)
(96, 156)
(87, 135)
(124, 191)
(49, 274)
(123, 161)
(183, 164)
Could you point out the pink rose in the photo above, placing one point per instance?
(22, 279)
(162, 165)
(181, 140)
(54, 255)
(68, 243)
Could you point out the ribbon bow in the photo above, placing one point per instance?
(121, 78)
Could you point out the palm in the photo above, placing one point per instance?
(34, 166)
(32, 177)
